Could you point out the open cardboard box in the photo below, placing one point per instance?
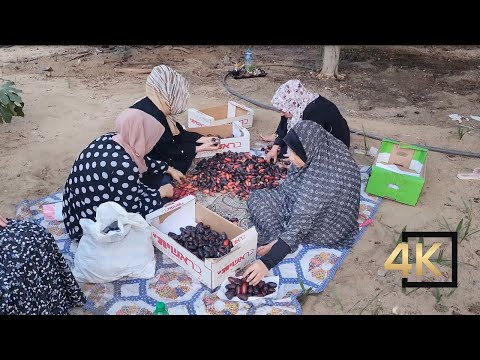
(221, 115)
(240, 142)
(211, 272)
(398, 172)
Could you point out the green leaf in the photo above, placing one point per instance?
(474, 232)
(451, 292)
(13, 90)
(14, 97)
(11, 103)
(459, 226)
(301, 284)
(4, 98)
(446, 223)
(440, 256)
(5, 114)
(399, 240)
(413, 291)
(467, 228)
(7, 83)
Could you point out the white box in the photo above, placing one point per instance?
(211, 272)
(240, 142)
(221, 115)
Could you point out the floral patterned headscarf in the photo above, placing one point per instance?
(293, 97)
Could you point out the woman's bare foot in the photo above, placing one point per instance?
(268, 138)
(3, 222)
(263, 250)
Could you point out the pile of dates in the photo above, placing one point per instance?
(283, 161)
(216, 139)
(230, 172)
(202, 241)
(266, 149)
(233, 220)
(241, 289)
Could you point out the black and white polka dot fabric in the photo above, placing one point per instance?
(34, 277)
(105, 172)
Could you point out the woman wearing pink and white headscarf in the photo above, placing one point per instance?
(296, 103)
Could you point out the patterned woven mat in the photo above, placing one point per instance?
(314, 266)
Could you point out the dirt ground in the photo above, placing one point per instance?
(405, 93)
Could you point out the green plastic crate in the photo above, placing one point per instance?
(392, 181)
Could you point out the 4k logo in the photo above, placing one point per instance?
(422, 259)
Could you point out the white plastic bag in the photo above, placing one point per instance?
(108, 257)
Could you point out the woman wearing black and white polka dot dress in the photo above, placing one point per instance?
(109, 169)
(34, 277)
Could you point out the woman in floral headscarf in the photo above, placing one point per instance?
(166, 96)
(295, 103)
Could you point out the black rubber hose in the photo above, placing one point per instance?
(224, 81)
(354, 131)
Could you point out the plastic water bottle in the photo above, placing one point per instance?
(248, 59)
(160, 309)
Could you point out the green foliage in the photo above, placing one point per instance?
(11, 103)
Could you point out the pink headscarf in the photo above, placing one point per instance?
(293, 97)
(137, 133)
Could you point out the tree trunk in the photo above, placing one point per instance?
(319, 59)
(331, 57)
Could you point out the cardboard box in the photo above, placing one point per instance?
(211, 272)
(240, 142)
(221, 115)
(398, 172)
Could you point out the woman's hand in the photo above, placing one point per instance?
(166, 191)
(272, 154)
(207, 139)
(175, 174)
(263, 250)
(211, 146)
(3, 222)
(255, 272)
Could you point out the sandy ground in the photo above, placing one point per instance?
(404, 93)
